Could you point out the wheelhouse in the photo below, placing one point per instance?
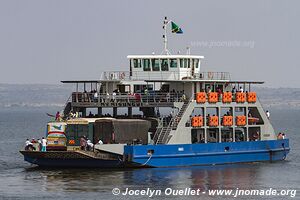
(165, 67)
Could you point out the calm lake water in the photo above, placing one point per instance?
(20, 180)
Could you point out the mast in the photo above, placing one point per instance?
(165, 23)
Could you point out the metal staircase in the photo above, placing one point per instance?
(162, 134)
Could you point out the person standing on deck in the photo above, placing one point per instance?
(100, 142)
(114, 94)
(28, 144)
(241, 89)
(83, 143)
(268, 114)
(40, 144)
(44, 144)
(95, 96)
(57, 116)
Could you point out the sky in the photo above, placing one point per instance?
(46, 41)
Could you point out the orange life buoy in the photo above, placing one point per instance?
(200, 97)
(213, 97)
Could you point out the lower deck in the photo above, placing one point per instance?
(177, 155)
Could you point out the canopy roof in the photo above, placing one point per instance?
(164, 56)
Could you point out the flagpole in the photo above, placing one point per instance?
(166, 22)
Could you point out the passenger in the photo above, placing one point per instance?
(219, 91)
(57, 116)
(114, 94)
(208, 89)
(100, 142)
(90, 114)
(44, 144)
(73, 114)
(33, 141)
(107, 97)
(95, 96)
(28, 145)
(279, 136)
(202, 140)
(241, 90)
(256, 136)
(90, 145)
(177, 96)
(183, 97)
(85, 96)
(40, 145)
(207, 119)
(268, 114)
(168, 97)
(83, 143)
(157, 113)
(194, 140)
(233, 90)
(146, 91)
(283, 136)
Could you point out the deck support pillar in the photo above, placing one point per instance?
(99, 111)
(130, 112)
(83, 112)
(115, 111)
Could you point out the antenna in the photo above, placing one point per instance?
(165, 23)
(188, 51)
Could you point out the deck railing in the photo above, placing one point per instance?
(90, 97)
(213, 76)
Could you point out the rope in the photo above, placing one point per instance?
(284, 157)
(147, 160)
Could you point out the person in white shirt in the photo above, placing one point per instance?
(89, 144)
(268, 114)
(29, 145)
(27, 142)
(114, 96)
(100, 141)
(44, 144)
(95, 96)
(241, 89)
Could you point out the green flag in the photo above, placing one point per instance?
(176, 28)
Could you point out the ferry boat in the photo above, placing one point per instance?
(173, 114)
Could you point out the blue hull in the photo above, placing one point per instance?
(207, 154)
(179, 155)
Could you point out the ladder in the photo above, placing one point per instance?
(162, 134)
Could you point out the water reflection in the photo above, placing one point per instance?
(100, 180)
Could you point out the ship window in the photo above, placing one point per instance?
(173, 63)
(146, 63)
(155, 64)
(164, 65)
(186, 63)
(137, 63)
(227, 135)
(181, 63)
(76, 131)
(196, 63)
